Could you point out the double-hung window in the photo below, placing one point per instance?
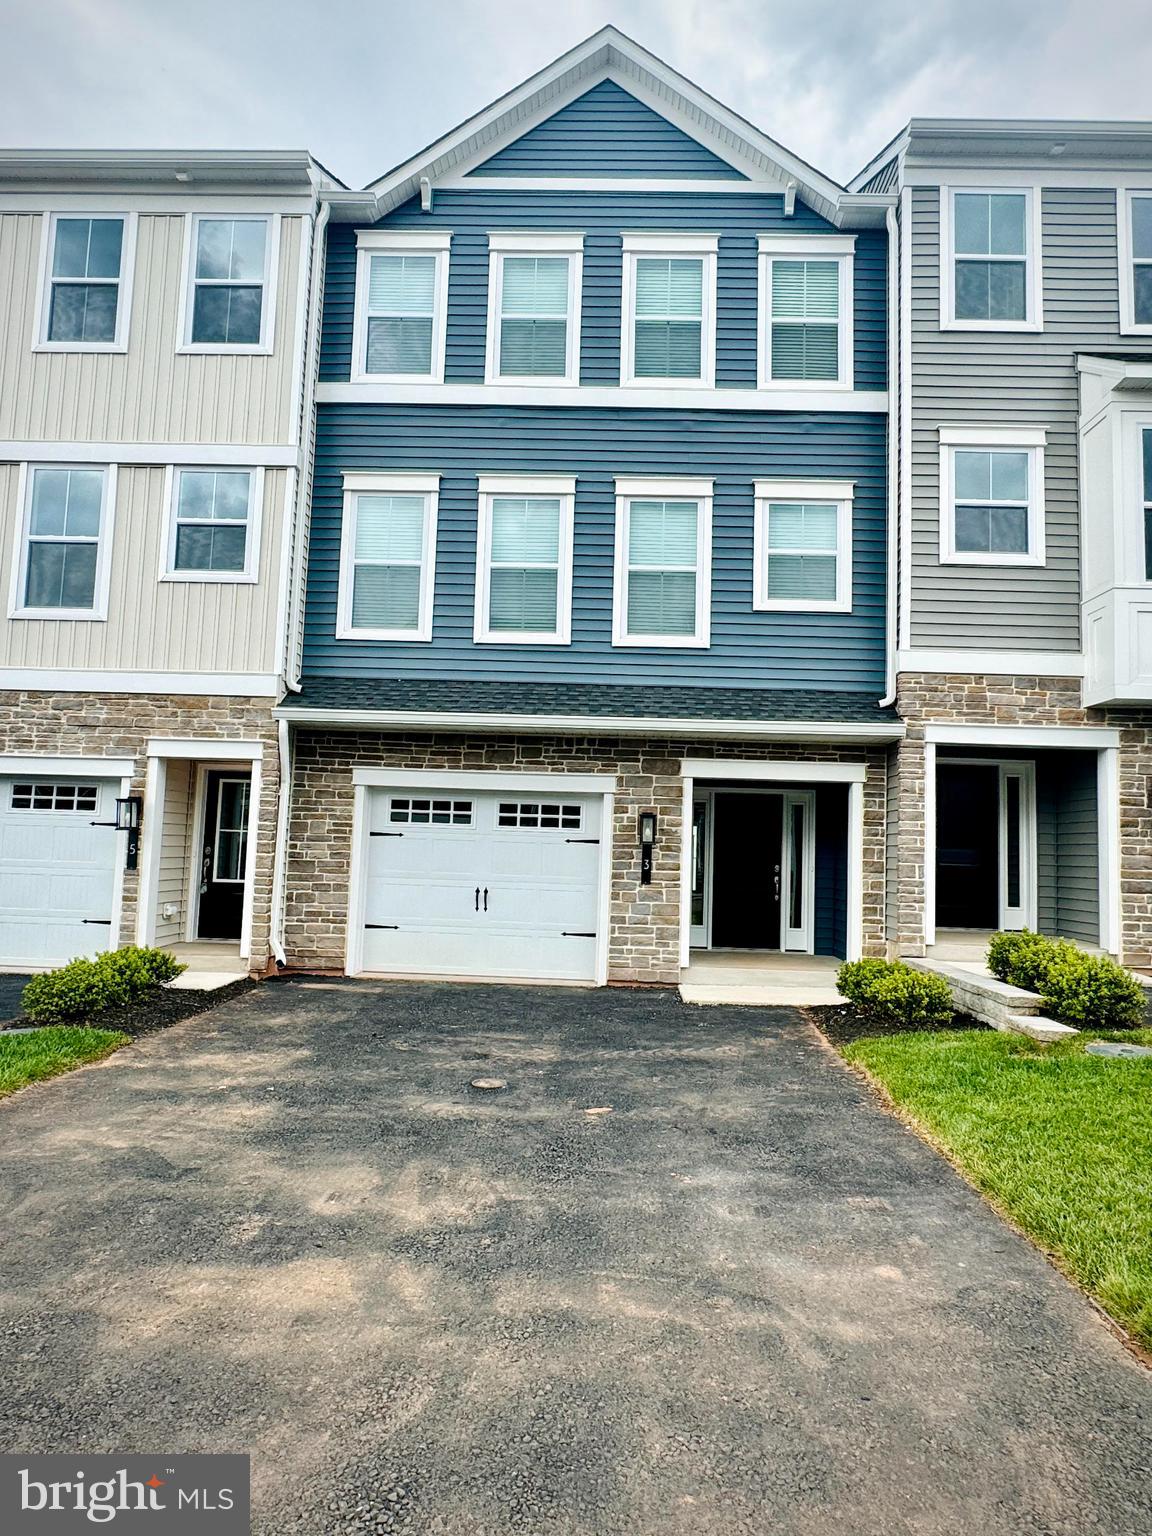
(387, 557)
(61, 569)
(229, 299)
(534, 284)
(802, 559)
(1146, 483)
(401, 306)
(213, 525)
(990, 259)
(524, 560)
(1134, 212)
(992, 496)
(85, 301)
(663, 562)
(805, 311)
(669, 310)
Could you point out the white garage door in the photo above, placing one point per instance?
(483, 884)
(57, 870)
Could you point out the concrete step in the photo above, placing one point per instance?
(994, 1002)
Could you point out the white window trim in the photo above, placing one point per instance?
(263, 348)
(1033, 262)
(355, 484)
(43, 308)
(99, 610)
(562, 486)
(635, 489)
(842, 249)
(401, 242)
(552, 243)
(671, 245)
(250, 573)
(840, 494)
(1029, 440)
(1124, 199)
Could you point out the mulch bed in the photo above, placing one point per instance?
(162, 1007)
(842, 1024)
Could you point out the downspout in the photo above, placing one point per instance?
(279, 871)
(891, 616)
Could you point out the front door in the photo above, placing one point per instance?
(967, 845)
(747, 848)
(224, 854)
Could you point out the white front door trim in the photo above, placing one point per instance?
(1088, 737)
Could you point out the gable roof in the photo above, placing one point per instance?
(609, 55)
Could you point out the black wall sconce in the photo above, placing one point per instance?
(647, 843)
(129, 815)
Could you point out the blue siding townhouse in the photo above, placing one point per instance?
(593, 683)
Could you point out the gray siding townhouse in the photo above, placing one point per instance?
(1019, 795)
(154, 435)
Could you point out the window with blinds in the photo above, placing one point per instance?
(401, 313)
(804, 321)
(524, 565)
(669, 317)
(534, 316)
(663, 569)
(390, 548)
(802, 543)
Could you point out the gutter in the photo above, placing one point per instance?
(858, 732)
(892, 224)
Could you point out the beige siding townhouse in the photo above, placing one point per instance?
(155, 339)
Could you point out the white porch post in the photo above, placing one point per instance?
(855, 936)
(686, 875)
(929, 880)
(150, 839)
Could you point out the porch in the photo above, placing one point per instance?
(760, 979)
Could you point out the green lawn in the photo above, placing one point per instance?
(48, 1052)
(1061, 1141)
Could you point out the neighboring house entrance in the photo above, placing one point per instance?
(465, 881)
(59, 854)
(985, 845)
(224, 854)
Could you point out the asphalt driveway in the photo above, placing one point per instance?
(741, 1299)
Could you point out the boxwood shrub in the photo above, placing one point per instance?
(890, 992)
(84, 987)
(1089, 991)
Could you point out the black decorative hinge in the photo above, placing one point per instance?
(581, 839)
(385, 834)
(567, 935)
(381, 925)
(98, 922)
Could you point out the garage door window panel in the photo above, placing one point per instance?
(54, 797)
(435, 813)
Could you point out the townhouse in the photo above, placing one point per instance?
(594, 652)
(154, 427)
(1019, 796)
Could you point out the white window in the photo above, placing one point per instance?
(991, 496)
(524, 559)
(669, 310)
(539, 815)
(229, 294)
(802, 561)
(401, 306)
(387, 557)
(1134, 217)
(990, 259)
(431, 813)
(213, 524)
(534, 284)
(1146, 484)
(42, 796)
(662, 594)
(61, 567)
(231, 846)
(805, 304)
(86, 292)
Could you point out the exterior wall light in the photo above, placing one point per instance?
(647, 843)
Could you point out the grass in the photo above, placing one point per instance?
(47, 1052)
(1061, 1141)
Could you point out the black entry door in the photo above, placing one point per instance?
(746, 871)
(224, 855)
(967, 845)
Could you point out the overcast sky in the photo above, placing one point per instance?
(364, 83)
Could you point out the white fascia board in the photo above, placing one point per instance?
(526, 485)
(216, 749)
(993, 663)
(391, 482)
(609, 397)
(993, 436)
(91, 767)
(61, 680)
(477, 779)
(403, 239)
(589, 725)
(533, 240)
(703, 768)
(805, 243)
(248, 455)
(1022, 735)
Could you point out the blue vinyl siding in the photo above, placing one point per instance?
(830, 927)
(749, 648)
(606, 132)
(737, 217)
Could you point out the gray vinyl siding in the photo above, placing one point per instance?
(1024, 378)
(1078, 885)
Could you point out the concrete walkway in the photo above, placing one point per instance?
(681, 1276)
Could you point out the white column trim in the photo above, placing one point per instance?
(1109, 849)
(151, 838)
(929, 876)
(855, 935)
(686, 870)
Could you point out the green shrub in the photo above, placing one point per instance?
(85, 987)
(890, 992)
(1093, 992)
(1024, 959)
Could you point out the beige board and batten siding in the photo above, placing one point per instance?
(150, 393)
(152, 625)
(1010, 379)
(175, 850)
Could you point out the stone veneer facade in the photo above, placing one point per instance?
(36, 723)
(971, 699)
(644, 941)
